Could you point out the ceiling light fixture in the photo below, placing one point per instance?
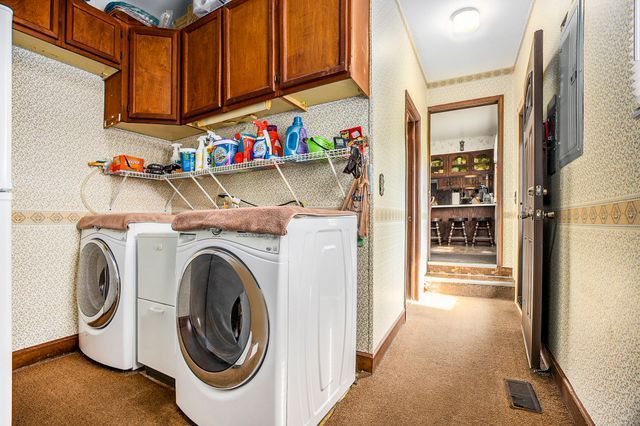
(466, 20)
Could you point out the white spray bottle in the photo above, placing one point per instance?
(200, 153)
(175, 157)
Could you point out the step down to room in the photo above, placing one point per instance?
(460, 280)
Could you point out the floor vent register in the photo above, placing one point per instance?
(522, 396)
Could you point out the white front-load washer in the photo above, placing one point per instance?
(266, 324)
(106, 293)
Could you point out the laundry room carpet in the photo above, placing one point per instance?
(73, 390)
(447, 366)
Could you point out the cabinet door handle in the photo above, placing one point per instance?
(157, 310)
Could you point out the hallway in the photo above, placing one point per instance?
(447, 365)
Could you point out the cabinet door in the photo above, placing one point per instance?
(313, 40)
(249, 50)
(153, 74)
(40, 18)
(438, 166)
(202, 66)
(482, 161)
(458, 164)
(92, 31)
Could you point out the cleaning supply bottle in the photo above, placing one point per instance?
(296, 140)
(212, 137)
(200, 153)
(276, 142)
(175, 157)
(263, 138)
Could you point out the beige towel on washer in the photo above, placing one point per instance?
(121, 221)
(259, 220)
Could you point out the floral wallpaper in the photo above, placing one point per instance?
(57, 130)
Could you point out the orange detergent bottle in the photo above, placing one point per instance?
(276, 142)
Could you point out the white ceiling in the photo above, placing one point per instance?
(445, 55)
(465, 123)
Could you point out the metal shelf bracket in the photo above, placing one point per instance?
(179, 193)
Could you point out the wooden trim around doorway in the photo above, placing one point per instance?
(33, 354)
(413, 188)
(472, 103)
(370, 362)
(580, 415)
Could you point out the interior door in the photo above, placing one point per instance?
(414, 174)
(532, 215)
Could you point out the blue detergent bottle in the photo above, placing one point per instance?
(296, 140)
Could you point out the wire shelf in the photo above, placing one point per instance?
(254, 165)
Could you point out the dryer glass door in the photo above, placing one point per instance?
(223, 326)
(98, 284)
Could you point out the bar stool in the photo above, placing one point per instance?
(458, 224)
(483, 224)
(435, 226)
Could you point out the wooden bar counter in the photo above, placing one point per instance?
(470, 211)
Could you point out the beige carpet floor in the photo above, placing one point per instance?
(445, 367)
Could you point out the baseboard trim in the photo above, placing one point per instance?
(33, 354)
(580, 415)
(369, 362)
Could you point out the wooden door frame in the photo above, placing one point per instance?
(518, 278)
(499, 190)
(413, 192)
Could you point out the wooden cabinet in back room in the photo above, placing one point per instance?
(249, 54)
(93, 33)
(39, 18)
(202, 66)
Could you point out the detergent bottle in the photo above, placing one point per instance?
(263, 141)
(296, 140)
(276, 142)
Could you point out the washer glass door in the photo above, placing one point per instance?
(223, 326)
(98, 284)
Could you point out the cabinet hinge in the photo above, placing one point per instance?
(277, 79)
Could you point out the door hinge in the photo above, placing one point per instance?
(277, 78)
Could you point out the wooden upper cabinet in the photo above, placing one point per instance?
(92, 31)
(249, 50)
(154, 74)
(202, 66)
(313, 40)
(39, 18)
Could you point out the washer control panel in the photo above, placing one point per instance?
(263, 242)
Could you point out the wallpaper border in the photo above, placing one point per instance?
(617, 213)
(40, 217)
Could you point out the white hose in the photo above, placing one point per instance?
(83, 196)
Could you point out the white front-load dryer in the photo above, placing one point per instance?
(266, 324)
(106, 293)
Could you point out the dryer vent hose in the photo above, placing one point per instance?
(83, 187)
